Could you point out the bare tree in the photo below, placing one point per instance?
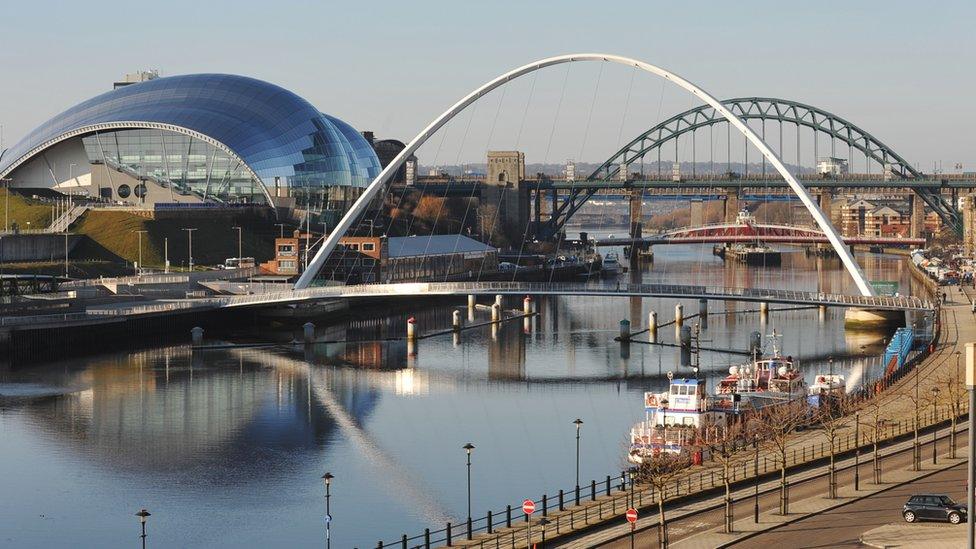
(659, 470)
(831, 416)
(955, 392)
(875, 425)
(724, 443)
(777, 422)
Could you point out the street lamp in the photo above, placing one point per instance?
(189, 234)
(143, 515)
(327, 479)
(935, 429)
(139, 266)
(578, 423)
(6, 204)
(240, 255)
(857, 450)
(467, 449)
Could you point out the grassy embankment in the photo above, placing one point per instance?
(113, 237)
(23, 211)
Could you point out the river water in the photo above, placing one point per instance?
(226, 447)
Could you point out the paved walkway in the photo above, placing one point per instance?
(916, 536)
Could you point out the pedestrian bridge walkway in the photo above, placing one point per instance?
(419, 289)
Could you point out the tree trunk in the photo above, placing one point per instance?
(832, 476)
(728, 501)
(952, 436)
(784, 506)
(662, 528)
(877, 464)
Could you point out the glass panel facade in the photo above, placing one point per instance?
(175, 160)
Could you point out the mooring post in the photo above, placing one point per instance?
(472, 301)
(411, 329)
(496, 312)
(196, 335)
(498, 300)
(764, 312)
(308, 331)
(624, 330)
(679, 315)
(652, 326)
(527, 305)
(456, 320)
(703, 313)
(822, 310)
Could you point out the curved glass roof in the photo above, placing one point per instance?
(275, 132)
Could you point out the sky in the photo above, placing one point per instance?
(903, 71)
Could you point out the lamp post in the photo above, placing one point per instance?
(143, 515)
(633, 473)
(467, 449)
(327, 479)
(189, 234)
(240, 254)
(578, 423)
(916, 450)
(139, 266)
(935, 429)
(544, 522)
(166, 255)
(6, 204)
(857, 450)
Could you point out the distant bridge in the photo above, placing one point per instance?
(739, 232)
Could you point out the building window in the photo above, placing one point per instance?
(368, 246)
(124, 191)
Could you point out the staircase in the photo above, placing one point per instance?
(64, 221)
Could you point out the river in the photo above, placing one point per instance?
(226, 447)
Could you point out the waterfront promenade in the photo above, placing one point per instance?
(696, 497)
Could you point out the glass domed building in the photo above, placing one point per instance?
(193, 139)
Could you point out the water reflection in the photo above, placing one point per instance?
(246, 433)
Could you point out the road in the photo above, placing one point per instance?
(887, 506)
(842, 526)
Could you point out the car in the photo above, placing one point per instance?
(933, 507)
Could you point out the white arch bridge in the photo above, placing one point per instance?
(676, 291)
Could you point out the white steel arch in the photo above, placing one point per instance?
(370, 192)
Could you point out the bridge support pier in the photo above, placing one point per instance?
(196, 335)
(703, 313)
(308, 332)
(917, 221)
(697, 213)
(652, 327)
(731, 204)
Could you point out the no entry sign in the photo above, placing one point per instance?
(528, 507)
(631, 515)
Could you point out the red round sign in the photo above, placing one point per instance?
(528, 507)
(631, 515)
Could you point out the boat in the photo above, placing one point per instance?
(826, 388)
(755, 254)
(679, 419)
(764, 381)
(611, 265)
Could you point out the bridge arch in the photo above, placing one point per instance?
(378, 184)
(758, 108)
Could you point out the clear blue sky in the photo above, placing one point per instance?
(902, 70)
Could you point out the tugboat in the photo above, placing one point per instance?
(758, 254)
(765, 381)
(679, 419)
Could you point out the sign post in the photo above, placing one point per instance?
(528, 507)
(632, 519)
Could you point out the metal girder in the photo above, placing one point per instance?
(765, 108)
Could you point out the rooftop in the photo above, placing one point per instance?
(438, 244)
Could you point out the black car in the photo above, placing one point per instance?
(933, 507)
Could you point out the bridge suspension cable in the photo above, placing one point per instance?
(380, 181)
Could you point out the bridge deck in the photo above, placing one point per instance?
(905, 303)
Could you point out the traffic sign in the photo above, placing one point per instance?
(631, 515)
(528, 507)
